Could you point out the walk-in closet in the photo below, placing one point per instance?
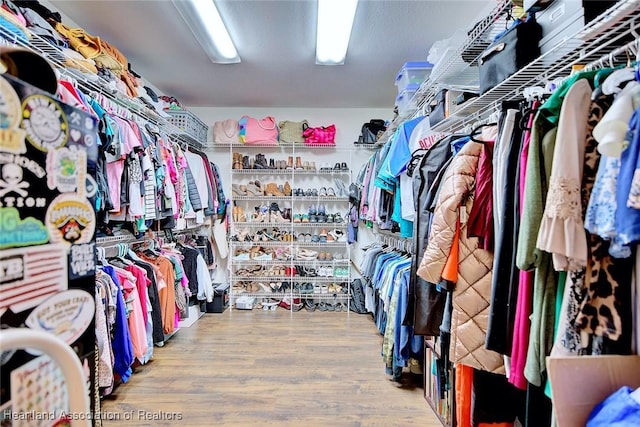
(320, 213)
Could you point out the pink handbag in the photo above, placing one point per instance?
(254, 131)
(320, 135)
(226, 132)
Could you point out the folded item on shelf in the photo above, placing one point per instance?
(226, 131)
(291, 132)
(258, 131)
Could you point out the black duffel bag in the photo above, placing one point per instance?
(516, 48)
(370, 131)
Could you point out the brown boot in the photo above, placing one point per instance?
(299, 164)
(290, 163)
(287, 189)
(272, 190)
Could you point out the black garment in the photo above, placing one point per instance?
(495, 400)
(505, 279)
(538, 407)
(154, 299)
(189, 262)
(426, 303)
(41, 10)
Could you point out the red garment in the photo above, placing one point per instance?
(464, 395)
(480, 222)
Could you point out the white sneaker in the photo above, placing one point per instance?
(329, 271)
(322, 271)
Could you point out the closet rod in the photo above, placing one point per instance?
(630, 48)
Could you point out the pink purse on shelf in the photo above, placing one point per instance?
(258, 131)
(320, 135)
(226, 132)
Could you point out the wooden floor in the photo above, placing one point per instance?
(255, 368)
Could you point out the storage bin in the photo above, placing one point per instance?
(190, 123)
(412, 73)
(562, 19)
(220, 300)
(404, 101)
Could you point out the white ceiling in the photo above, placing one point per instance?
(276, 41)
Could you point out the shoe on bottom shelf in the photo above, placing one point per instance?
(309, 305)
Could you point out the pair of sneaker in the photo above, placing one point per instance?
(325, 271)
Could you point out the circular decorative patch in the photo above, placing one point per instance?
(70, 219)
(45, 122)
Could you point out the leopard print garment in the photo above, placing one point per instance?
(599, 305)
(570, 337)
(600, 309)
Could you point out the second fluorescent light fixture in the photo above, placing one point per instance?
(335, 20)
(204, 21)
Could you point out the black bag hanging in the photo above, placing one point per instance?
(370, 131)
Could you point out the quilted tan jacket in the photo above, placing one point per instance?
(472, 294)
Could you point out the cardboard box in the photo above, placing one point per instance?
(579, 383)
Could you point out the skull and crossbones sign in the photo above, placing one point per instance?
(12, 181)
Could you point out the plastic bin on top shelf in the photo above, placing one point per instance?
(404, 100)
(412, 73)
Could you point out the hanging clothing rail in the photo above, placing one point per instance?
(633, 48)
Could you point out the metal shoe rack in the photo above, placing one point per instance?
(331, 292)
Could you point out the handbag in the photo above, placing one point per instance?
(320, 135)
(226, 132)
(371, 131)
(512, 51)
(263, 131)
(291, 132)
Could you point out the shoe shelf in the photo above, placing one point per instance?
(321, 245)
(284, 244)
(320, 224)
(294, 198)
(241, 278)
(288, 224)
(320, 198)
(318, 176)
(288, 172)
(282, 145)
(291, 262)
(263, 198)
(298, 279)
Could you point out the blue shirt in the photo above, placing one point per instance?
(628, 219)
(121, 343)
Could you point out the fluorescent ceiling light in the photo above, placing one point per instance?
(205, 23)
(335, 20)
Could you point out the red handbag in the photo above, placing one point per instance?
(320, 135)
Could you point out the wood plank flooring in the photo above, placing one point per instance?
(244, 368)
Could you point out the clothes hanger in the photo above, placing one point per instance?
(474, 133)
(616, 80)
(101, 255)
